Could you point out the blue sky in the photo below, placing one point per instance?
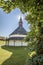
(9, 22)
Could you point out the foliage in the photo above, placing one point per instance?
(35, 19)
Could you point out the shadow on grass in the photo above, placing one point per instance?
(18, 57)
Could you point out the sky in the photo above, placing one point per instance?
(9, 22)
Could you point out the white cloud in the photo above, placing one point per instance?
(20, 15)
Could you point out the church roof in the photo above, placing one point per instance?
(20, 29)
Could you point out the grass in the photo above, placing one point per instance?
(13, 55)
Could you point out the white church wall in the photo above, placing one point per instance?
(18, 43)
(17, 35)
(11, 43)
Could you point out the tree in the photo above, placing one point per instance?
(35, 19)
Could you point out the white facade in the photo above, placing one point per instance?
(11, 43)
(16, 43)
(17, 35)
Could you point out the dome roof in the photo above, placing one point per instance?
(19, 30)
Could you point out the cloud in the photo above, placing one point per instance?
(21, 15)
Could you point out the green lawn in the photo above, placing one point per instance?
(13, 55)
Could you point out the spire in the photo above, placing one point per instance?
(20, 22)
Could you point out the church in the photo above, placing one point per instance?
(16, 38)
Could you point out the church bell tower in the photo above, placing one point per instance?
(20, 22)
